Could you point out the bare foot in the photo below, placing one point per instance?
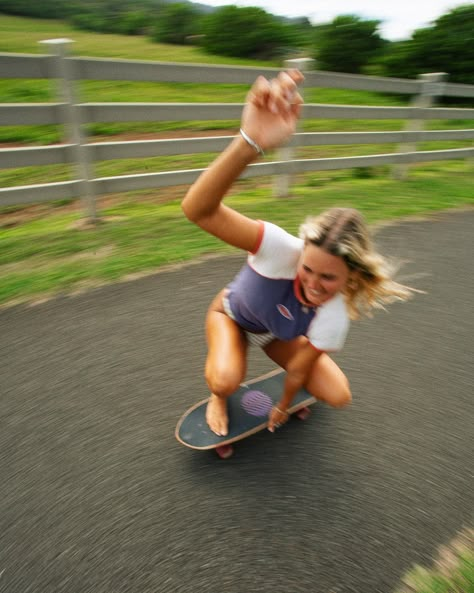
(216, 415)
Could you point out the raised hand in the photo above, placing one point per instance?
(272, 109)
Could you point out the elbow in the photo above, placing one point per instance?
(192, 212)
(187, 211)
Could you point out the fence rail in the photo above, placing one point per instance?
(104, 151)
(43, 114)
(34, 66)
(77, 152)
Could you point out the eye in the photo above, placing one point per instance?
(307, 268)
(329, 277)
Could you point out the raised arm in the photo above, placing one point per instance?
(268, 119)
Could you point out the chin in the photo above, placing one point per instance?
(321, 299)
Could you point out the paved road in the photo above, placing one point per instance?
(97, 496)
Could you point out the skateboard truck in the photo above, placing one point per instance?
(225, 451)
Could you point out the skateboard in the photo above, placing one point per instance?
(248, 409)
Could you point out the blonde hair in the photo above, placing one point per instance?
(343, 232)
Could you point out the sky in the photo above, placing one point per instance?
(399, 17)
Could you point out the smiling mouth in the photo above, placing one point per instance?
(312, 296)
(315, 294)
(309, 296)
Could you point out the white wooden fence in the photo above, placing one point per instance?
(74, 115)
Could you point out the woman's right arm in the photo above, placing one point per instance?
(269, 118)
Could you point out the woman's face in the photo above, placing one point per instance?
(321, 274)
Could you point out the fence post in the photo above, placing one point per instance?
(286, 153)
(431, 87)
(59, 49)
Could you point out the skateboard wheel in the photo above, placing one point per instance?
(303, 413)
(225, 451)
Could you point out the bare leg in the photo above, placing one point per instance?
(226, 363)
(326, 381)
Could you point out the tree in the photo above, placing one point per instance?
(347, 44)
(134, 22)
(244, 32)
(447, 46)
(302, 31)
(176, 22)
(46, 9)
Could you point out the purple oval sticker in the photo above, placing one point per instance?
(256, 403)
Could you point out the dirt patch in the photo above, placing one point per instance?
(168, 135)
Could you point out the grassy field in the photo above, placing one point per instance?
(23, 35)
(43, 253)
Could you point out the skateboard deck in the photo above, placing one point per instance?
(248, 409)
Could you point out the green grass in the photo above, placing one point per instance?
(452, 572)
(46, 255)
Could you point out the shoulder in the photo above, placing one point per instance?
(335, 307)
(277, 252)
(271, 233)
(330, 326)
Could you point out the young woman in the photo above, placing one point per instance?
(295, 296)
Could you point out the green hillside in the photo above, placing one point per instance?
(23, 35)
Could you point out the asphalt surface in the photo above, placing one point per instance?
(97, 496)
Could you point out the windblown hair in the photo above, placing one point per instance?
(343, 232)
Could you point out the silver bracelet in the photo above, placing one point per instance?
(252, 143)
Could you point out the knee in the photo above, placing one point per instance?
(222, 383)
(329, 384)
(337, 396)
(341, 397)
